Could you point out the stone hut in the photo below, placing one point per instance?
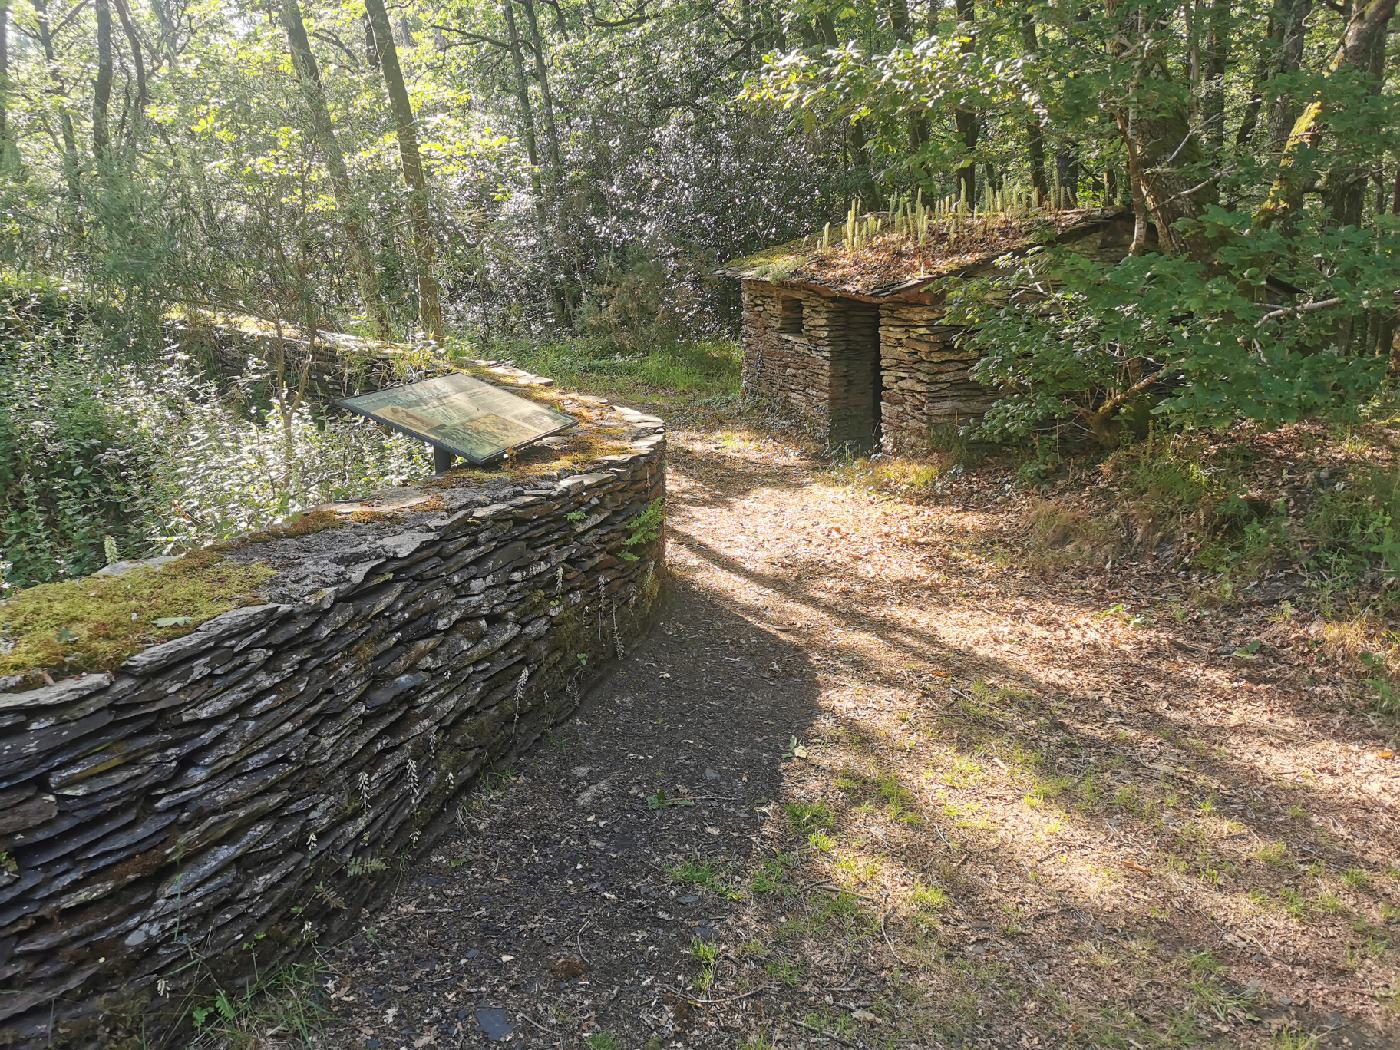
(854, 342)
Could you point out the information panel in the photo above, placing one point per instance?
(461, 415)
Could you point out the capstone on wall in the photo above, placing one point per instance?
(234, 796)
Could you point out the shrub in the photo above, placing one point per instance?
(1066, 339)
(108, 450)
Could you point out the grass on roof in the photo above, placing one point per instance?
(878, 249)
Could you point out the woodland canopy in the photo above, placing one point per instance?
(529, 166)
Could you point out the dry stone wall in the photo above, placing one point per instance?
(925, 375)
(230, 798)
(791, 369)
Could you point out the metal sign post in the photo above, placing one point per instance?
(460, 416)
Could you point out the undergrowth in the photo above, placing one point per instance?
(286, 1001)
(1231, 516)
(114, 446)
(681, 375)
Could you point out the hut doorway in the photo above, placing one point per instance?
(855, 377)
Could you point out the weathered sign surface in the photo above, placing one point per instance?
(461, 415)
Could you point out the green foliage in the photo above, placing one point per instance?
(286, 999)
(1343, 537)
(75, 469)
(107, 449)
(1203, 344)
(646, 529)
(705, 875)
(805, 817)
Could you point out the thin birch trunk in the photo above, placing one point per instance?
(308, 74)
(420, 215)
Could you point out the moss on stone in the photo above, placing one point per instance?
(94, 623)
(583, 449)
(301, 525)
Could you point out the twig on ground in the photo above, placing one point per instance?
(727, 999)
(885, 933)
(821, 1032)
(578, 939)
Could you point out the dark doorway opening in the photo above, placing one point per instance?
(855, 378)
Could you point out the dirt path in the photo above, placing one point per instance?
(869, 784)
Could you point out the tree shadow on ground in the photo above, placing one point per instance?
(842, 802)
(1178, 828)
(570, 896)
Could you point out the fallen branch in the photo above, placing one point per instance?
(1301, 308)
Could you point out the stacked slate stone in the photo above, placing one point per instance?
(925, 372)
(790, 368)
(926, 376)
(226, 800)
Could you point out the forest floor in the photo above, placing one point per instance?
(875, 780)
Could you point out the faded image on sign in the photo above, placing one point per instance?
(463, 415)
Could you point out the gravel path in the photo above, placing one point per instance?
(869, 784)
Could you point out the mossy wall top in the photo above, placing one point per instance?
(236, 793)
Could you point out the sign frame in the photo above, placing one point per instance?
(444, 451)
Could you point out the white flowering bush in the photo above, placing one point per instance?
(108, 453)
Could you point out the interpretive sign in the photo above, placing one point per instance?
(461, 416)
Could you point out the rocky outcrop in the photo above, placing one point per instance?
(225, 800)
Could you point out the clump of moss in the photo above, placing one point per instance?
(301, 525)
(582, 448)
(94, 623)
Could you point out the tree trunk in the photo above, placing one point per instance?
(419, 213)
(4, 86)
(522, 96)
(900, 26)
(102, 81)
(138, 62)
(1292, 17)
(67, 138)
(1164, 154)
(169, 33)
(551, 129)
(308, 74)
(968, 122)
(1035, 132)
(1067, 172)
(1215, 55)
(1344, 192)
(1365, 31)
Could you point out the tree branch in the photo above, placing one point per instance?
(1294, 311)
